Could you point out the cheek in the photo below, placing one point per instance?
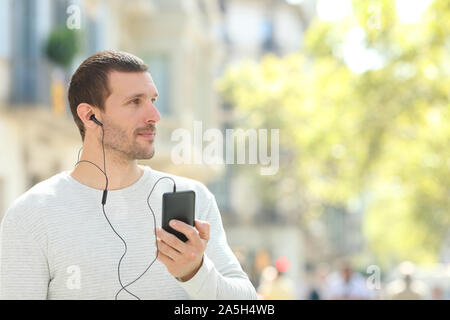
(119, 132)
(125, 123)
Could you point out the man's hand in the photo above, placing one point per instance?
(183, 259)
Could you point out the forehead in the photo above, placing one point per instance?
(121, 84)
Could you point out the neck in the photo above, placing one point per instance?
(121, 172)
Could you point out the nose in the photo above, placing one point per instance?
(152, 114)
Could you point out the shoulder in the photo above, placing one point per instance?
(30, 207)
(205, 202)
(184, 183)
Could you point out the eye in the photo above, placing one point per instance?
(153, 100)
(135, 101)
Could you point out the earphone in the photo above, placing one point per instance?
(103, 202)
(93, 118)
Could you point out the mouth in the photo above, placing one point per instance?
(148, 135)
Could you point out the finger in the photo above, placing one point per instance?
(171, 240)
(168, 250)
(203, 228)
(189, 231)
(164, 259)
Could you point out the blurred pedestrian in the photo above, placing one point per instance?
(315, 281)
(275, 284)
(437, 293)
(347, 285)
(406, 288)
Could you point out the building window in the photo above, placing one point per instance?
(30, 23)
(24, 52)
(4, 28)
(267, 30)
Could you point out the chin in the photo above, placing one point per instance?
(146, 155)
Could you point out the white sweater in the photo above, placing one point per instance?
(55, 243)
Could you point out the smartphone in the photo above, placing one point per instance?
(180, 206)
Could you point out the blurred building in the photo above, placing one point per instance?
(251, 29)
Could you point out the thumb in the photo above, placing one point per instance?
(203, 229)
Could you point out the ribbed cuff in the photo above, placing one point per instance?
(197, 287)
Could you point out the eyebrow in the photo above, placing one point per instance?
(139, 95)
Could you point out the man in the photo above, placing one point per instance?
(347, 285)
(407, 287)
(57, 241)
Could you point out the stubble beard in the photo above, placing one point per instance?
(118, 140)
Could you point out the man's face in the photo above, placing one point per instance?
(130, 116)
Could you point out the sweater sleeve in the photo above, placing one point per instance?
(24, 272)
(220, 276)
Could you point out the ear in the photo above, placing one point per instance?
(84, 111)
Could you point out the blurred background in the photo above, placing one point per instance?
(360, 91)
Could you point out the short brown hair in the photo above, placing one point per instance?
(89, 83)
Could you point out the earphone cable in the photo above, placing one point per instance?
(111, 226)
(154, 228)
(104, 213)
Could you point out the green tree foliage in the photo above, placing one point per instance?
(380, 136)
(62, 46)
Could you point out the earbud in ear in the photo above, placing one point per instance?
(96, 121)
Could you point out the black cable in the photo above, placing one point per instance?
(104, 213)
(154, 224)
(112, 228)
